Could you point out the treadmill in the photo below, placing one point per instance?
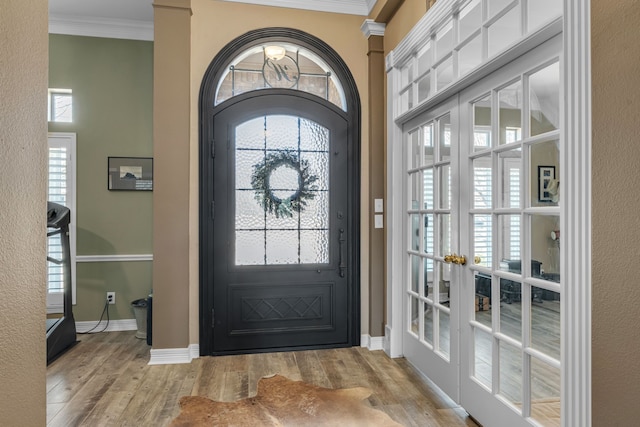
(61, 331)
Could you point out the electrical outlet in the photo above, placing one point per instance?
(111, 297)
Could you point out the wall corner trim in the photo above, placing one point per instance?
(371, 28)
(174, 356)
(371, 343)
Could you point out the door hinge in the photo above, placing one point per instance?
(213, 318)
(213, 209)
(213, 148)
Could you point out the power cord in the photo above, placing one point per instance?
(104, 310)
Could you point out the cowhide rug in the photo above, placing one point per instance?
(282, 402)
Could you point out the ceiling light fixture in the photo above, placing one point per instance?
(275, 53)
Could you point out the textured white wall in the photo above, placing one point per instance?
(23, 150)
(616, 212)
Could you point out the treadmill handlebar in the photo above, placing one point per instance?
(58, 216)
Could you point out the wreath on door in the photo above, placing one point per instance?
(264, 193)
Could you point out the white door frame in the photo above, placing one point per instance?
(575, 175)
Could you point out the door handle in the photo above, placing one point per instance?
(341, 240)
(455, 259)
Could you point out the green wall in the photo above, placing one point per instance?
(112, 84)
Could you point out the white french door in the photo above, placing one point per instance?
(482, 283)
(432, 294)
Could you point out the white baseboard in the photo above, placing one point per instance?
(172, 356)
(114, 325)
(372, 343)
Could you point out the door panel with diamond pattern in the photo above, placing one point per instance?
(280, 254)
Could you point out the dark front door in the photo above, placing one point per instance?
(279, 247)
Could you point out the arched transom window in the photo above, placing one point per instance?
(283, 66)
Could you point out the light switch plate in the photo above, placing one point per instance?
(378, 221)
(378, 205)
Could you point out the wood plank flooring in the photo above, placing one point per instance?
(105, 381)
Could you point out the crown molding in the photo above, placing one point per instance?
(349, 7)
(371, 28)
(101, 27)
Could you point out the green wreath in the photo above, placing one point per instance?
(264, 194)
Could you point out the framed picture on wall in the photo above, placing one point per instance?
(130, 173)
(545, 175)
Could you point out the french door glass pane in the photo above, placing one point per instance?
(483, 298)
(544, 100)
(429, 273)
(482, 187)
(415, 232)
(510, 100)
(428, 233)
(510, 373)
(416, 263)
(510, 176)
(414, 150)
(482, 124)
(545, 322)
(428, 323)
(545, 393)
(545, 245)
(511, 309)
(281, 191)
(445, 187)
(428, 196)
(427, 142)
(414, 325)
(509, 237)
(483, 350)
(415, 180)
(482, 239)
(445, 333)
(544, 159)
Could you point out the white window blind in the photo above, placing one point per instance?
(61, 190)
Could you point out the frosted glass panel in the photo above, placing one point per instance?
(281, 197)
(505, 31)
(313, 137)
(544, 100)
(281, 133)
(279, 247)
(250, 134)
(314, 246)
(250, 247)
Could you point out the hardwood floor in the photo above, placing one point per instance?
(105, 381)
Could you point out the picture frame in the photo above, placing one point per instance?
(545, 175)
(130, 173)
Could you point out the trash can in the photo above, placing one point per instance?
(140, 312)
